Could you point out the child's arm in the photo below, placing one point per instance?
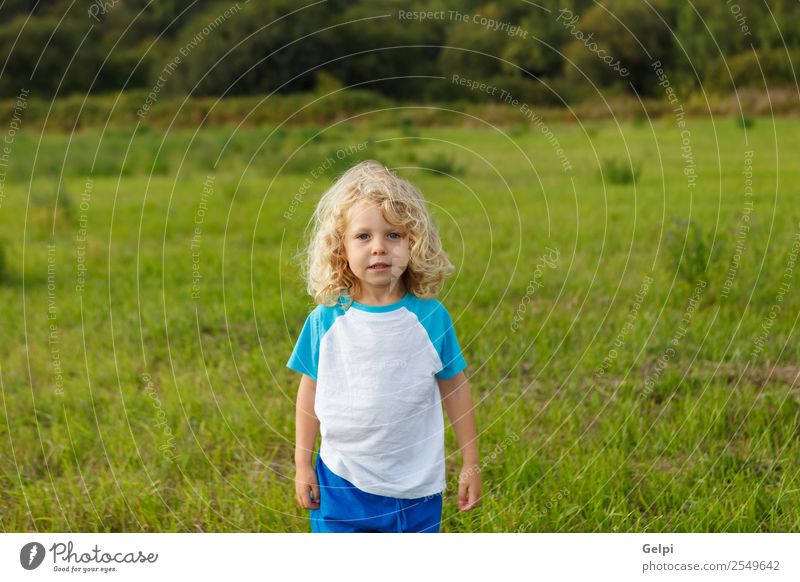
(307, 425)
(458, 404)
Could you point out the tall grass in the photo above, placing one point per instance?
(620, 170)
(174, 413)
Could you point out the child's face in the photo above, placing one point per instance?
(368, 240)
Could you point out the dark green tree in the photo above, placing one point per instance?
(632, 36)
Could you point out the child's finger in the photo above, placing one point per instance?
(463, 496)
(474, 497)
(469, 499)
(315, 494)
(462, 491)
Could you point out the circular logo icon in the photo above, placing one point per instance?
(31, 555)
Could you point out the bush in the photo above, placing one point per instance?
(308, 134)
(442, 165)
(3, 272)
(689, 249)
(65, 203)
(43, 198)
(21, 42)
(744, 121)
(407, 127)
(620, 170)
(518, 130)
(746, 70)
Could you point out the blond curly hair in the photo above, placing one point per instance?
(324, 266)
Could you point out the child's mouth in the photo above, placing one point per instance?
(379, 267)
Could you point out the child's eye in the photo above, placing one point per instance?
(395, 234)
(358, 236)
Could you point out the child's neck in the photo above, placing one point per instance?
(380, 295)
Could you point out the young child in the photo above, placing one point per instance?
(372, 355)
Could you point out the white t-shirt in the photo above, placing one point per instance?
(377, 397)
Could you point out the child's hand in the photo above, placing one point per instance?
(306, 487)
(469, 487)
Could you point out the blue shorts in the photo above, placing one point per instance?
(344, 508)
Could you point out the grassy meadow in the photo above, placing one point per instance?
(151, 299)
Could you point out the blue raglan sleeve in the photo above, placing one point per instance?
(305, 356)
(447, 346)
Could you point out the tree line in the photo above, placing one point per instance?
(549, 51)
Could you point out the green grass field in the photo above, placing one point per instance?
(141, 403)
